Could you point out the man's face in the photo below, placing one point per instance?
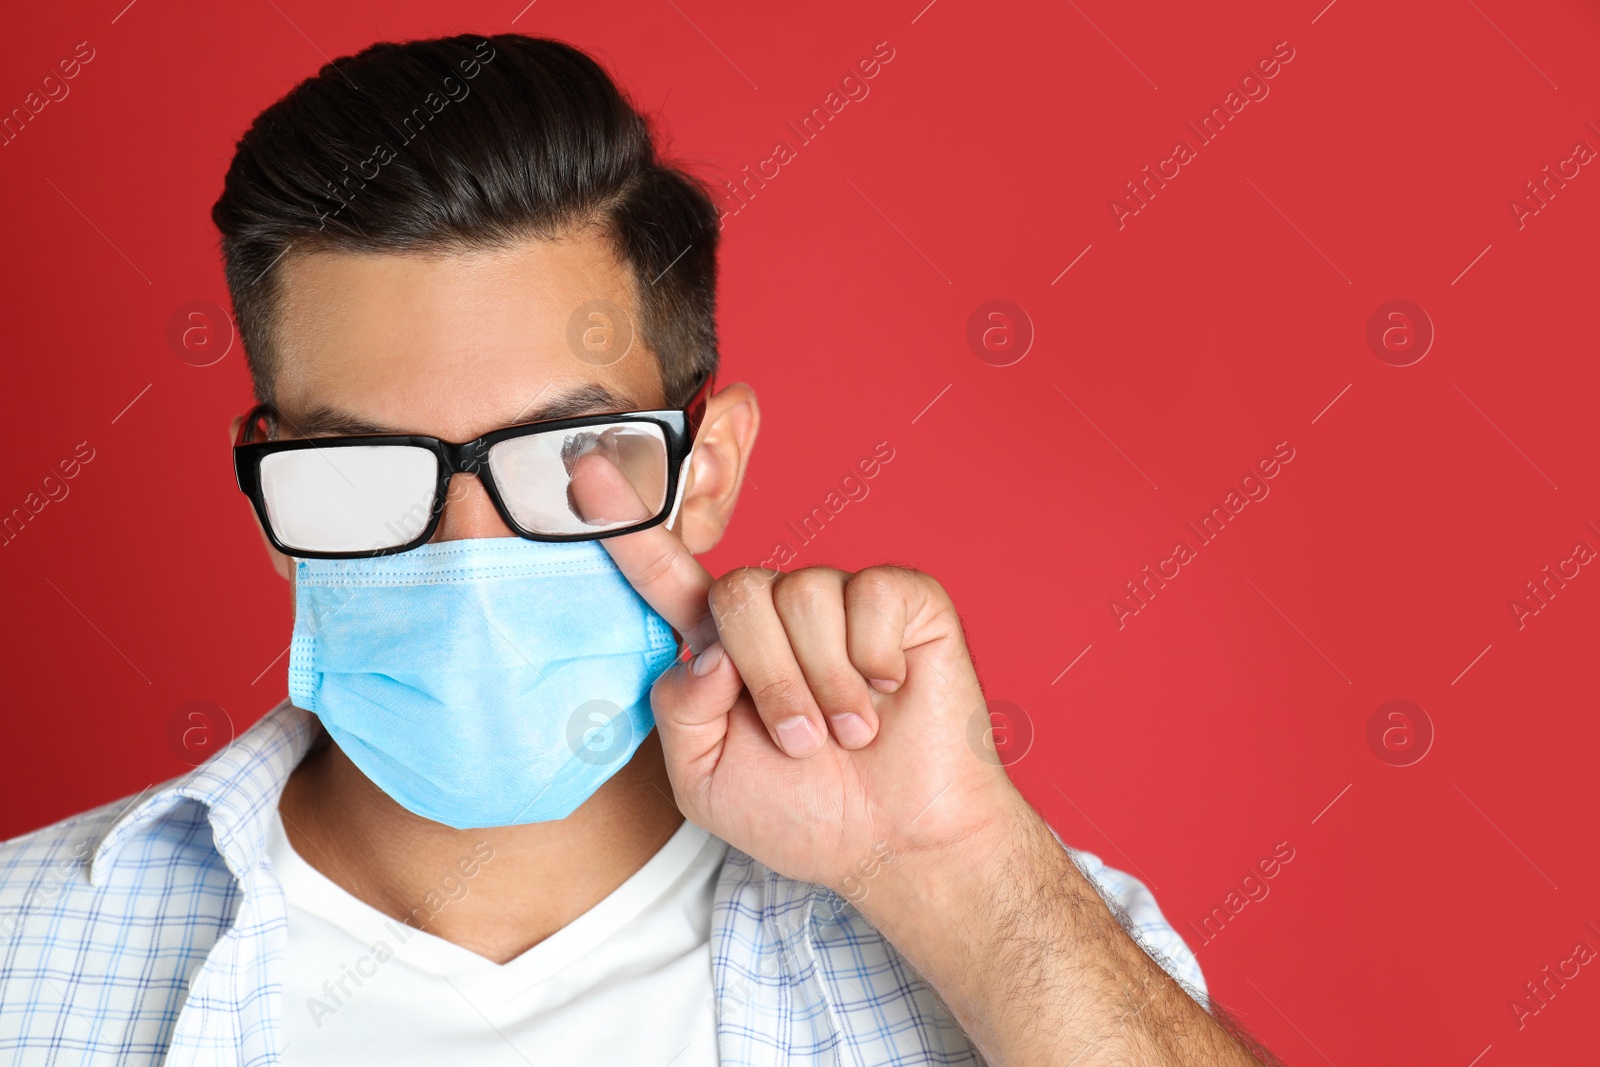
(455, 345)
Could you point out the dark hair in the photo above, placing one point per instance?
(468, 142)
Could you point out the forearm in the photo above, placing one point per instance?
(1030, 960)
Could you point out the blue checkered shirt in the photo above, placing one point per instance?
(152, 930)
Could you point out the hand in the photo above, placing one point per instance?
(823, 725)
(823, 728)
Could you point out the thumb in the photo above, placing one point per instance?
(691, 702)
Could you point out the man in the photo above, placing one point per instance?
(498, 823)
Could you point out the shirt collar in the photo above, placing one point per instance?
(239, 787)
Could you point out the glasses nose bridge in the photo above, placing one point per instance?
(470, 457)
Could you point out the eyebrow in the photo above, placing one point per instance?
(326, 420)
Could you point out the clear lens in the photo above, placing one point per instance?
(351, 498)
(552, 483)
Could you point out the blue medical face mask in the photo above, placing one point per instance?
(483, 682)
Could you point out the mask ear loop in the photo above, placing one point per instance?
(683, 482)
(685, 653)
(696, 410)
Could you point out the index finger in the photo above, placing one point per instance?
(656, 562)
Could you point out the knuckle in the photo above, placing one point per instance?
(806, 591)
(888, 582)
(937, 593)
(657, 567)
(781, 694)
(876, 584)
(736, 590)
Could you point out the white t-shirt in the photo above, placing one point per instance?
(628, 981)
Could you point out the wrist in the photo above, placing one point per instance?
(947, 889)
(999, 926)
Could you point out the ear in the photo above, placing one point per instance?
(716, 470)
(280, 563)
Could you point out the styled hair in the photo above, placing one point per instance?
(465, 143)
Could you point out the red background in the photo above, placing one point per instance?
(1222, 319)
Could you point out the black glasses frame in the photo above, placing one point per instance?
(679, 425)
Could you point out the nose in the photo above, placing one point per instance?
(468, 512)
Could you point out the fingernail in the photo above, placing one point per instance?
(798, 737)
(851, 730)
(708, 660)
(884, 685)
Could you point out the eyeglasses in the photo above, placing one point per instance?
(379, 494)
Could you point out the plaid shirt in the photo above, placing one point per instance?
(152, 930)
